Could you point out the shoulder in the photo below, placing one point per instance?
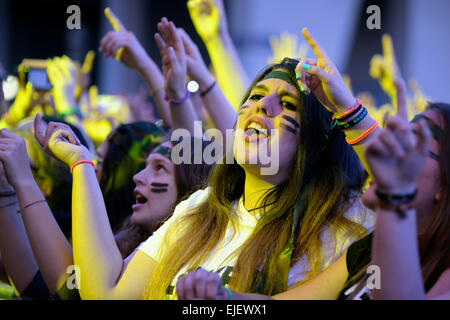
(441, 289)
(360, 214)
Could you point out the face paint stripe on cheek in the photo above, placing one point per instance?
(291, 120)
(290, 129)
(159, 190)
(156, 184)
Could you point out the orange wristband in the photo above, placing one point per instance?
(363, 135)
(80, 162)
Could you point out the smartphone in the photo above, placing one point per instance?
(35, 72)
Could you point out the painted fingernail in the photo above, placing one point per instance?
(306, 66)
(297, 75)
(302, 88)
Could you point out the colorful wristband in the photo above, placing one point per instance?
(187, 95)
(363, 135)
(353, 122)
(80, 162)
(347, 114)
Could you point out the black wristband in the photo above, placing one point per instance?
(353, 122)
(396, 199)
(204, 93)
(7, 194)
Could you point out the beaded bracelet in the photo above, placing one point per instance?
(80, 162)
(353, 122)
(179, 101)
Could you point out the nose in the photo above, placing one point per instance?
(269, 106)
(138, 178)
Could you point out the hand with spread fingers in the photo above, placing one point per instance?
(14, 158)
(201, 285)
(196, 67)
(123, 45)
(58, 140)
(62, 74)
(323, 78)
(396, 155)
(174, 63)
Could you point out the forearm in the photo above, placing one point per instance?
(219, 108)
(52, 250)
(395, 251)
(17, 255)
(184, 117)
(155, 82)
(95, 250)
(228, 70)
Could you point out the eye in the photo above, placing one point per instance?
(288, 105)
(255, 97)
(160, 168)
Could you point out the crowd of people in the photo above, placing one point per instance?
(94, 203)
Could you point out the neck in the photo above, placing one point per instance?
(254, 189)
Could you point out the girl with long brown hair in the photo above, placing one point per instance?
(263, 232)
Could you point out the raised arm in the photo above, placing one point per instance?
(210, 21)
(174, 67)
(396, 158)
(219, 108)
(124, 45)
(52, 250)
(17, 255)
(103, 273)
(323, 78)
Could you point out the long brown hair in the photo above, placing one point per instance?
(434, 243)
(325, 175)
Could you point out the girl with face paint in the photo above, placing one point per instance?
(263, 233)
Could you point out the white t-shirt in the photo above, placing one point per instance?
(224, 256)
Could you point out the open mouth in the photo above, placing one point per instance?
(140, 199)
(255, 130)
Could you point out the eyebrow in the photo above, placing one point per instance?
(158, 160)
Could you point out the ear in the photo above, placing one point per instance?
(437, 196)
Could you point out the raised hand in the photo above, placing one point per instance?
(14, 158)
(196, 67)
(396, 155)
(201, 285)
(208, 17)
(286, 46)
(323, 78)
(62, 73)
(174, 63)
(123, 45)
(384, 68)
(58, 140)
